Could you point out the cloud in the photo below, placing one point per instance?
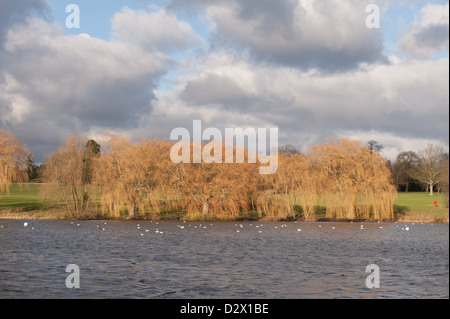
(160, 30)
(57, 84)
(213, 89)
(393, 144)
(407, 99)
(89, 79)
(330, 35)
(13, 12)
(430, 35)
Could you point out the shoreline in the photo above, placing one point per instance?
(410, 217)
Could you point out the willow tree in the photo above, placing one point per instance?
(216, 189)
(291, 184)
(64, 177)
(13, 160)
(131, 175)
(354, 182)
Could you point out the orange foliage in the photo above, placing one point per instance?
(138, 178)
(13, 156)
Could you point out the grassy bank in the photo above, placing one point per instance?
(24, 202)
(420, 207)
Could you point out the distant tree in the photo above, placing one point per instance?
(428, 169)
(374, 146)
(13, 160)
(288, 150)
(32, 169)
(91, 152)
(403, 167)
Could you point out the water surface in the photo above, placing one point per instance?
(144, 259)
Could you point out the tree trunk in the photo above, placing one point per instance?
(205, 208)
(131, 209)
(431, 189)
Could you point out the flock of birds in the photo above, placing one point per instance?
(241, 226)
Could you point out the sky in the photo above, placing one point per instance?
(140, 69)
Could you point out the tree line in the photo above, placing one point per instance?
(342, 178)
(427, 169)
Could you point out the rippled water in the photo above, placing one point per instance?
(214, 260)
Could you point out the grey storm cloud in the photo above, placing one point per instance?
(214, 89)
(406, 99)
(94, 81)
(427, 40)
(328, 35)
(14, 12)
(72, 84)
(433, 36)
(428, 35)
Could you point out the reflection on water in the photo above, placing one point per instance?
(143, 259)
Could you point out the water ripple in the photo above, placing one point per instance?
(187, 260)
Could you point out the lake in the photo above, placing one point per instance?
(276, 260)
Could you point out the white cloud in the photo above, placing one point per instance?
(160, 30)
(392, 143)
(407, 99)
(73, 83)
(327, 34)
(17, 107)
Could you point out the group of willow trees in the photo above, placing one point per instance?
(138, 179)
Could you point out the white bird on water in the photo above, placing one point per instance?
(25, 224)
(405, 228)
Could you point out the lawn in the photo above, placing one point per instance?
(23, 201)
(421, 203)
(24, 198)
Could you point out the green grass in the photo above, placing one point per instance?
(24, 198)
(24, 202)
(421, 203)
